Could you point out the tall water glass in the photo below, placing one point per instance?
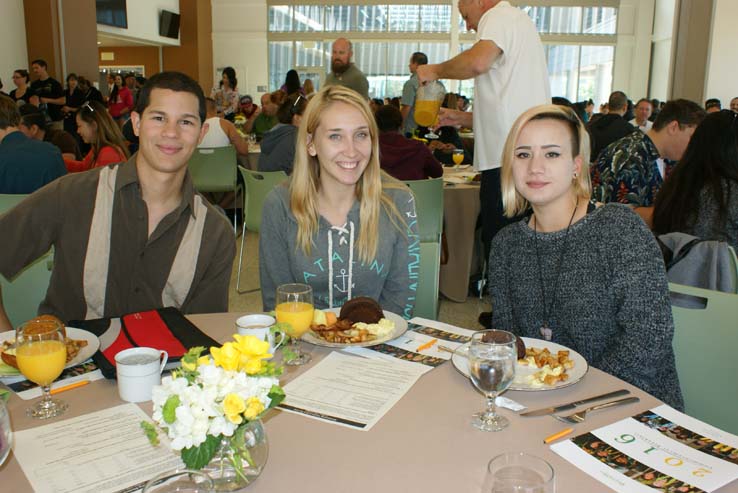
(295, 308)
(492, 357)
(517, 472)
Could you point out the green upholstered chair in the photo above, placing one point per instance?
(257, 185)
(429, 207)
(705, 347)
(214, 170)
(23, 294)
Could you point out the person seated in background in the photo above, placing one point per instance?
(713, 105)
(448, 139)
(134, 236)
(292, 84)
(97, 128)
(375, 104)
(278, 144)
(220, 132)
(655, 109)
(700, 197)
(632, 169)
(340, 224)
(584, 275)
(263, 120)
(643, 111)
(734, 105)
(33, 125)
(308, 88)
(246, 107)
(403, 158)
(25, 164)
(611, 126)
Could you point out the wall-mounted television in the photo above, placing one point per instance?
(112, 13)
(169, 24)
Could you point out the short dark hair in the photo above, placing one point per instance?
(713, 103)
(40, 62)
(389, 118)
(683, 111)
(644, 100)
(419, 58)
(23, 73)
(617, 101)
(9, 115)
(174, 81)
(30, 115)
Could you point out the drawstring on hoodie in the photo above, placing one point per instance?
(342, 241)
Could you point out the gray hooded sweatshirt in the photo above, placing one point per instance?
(278, 149)
(333, 268)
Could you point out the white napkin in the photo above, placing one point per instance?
(509, 404)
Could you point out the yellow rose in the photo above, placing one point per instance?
(233, 406)
(227, 357)
(252, 346)
(254, 407)
(251, 366)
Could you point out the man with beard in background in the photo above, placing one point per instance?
(343, 71)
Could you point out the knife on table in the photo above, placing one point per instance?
(572, 405)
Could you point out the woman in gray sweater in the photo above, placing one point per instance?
(341, 225)
(588, 277)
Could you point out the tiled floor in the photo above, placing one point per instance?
(459, 314)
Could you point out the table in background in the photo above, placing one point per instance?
(424, 443)
(460, 211)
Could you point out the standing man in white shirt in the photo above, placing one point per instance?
(510, 75)
(643, 111)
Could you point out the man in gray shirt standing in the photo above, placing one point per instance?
(343, 71)
(407, 103)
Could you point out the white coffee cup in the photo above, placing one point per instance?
(138, 370)
(258, 325)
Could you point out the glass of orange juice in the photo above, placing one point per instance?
(295, 308)
(428, 101)
(41, 355)
(458, 156)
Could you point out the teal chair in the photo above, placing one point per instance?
(429, 207)
(213, 169)
(257, 185)
(705, 347)
(23, 294)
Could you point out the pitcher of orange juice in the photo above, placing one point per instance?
(428, 101)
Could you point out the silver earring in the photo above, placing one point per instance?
(576, 175)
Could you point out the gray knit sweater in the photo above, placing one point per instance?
(612, 304)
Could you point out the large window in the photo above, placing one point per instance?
(579, 41)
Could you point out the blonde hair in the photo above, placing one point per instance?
(305, 182)
(515, 204)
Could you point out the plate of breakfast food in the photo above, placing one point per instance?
(541, 365)
(81, 345)
(360, 322)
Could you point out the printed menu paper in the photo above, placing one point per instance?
(350, 391)
(420, 344)
(658, 450)
(101, 452)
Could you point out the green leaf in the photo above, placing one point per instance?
(168, 412)
(151, 432)
(288, 354)
(277, 395)
(198, 457)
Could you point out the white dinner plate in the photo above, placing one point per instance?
(400, 328)
(461, 362)
(93, 343)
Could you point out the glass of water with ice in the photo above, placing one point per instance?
(492, 357)
(517, 472)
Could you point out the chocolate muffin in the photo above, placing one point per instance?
(520, 345)
(361, 309)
